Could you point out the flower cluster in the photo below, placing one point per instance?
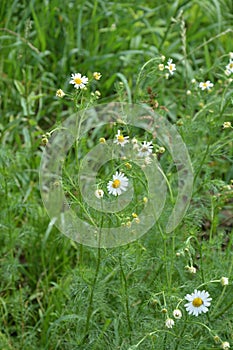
(80, 81)
(119, 182)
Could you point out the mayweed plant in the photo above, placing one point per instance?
(116, 175)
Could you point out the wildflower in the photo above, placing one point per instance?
(102, 140)
(120, 139)
(145, 200)
(99, 193)
(97, 75)
(60, 93)
(135, 144)
(170, 66)
(134, 215)
(164, 311)
(226, 125)
(97, 93)
(118, 184)
(188, 92)
(177, 314)
(44, 140)
(128, 166)
(169, 323)
(229, 67)
(166, 76)
(134, 141)
(128, 224)
(147, 161)
(78, 81)
(224, 281)
(207, 85)
(137, 220)
(216, 339)
(227, 72)
(225, 345)
(231, 55)
(161, 66)
(161, 150)
(163, 58)
(146, 149)
(191, 269)
(193, 81)
(198, 302)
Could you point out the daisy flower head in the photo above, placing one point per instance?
(161, 66)
(170, 66)
(60, 93)
(169, 323)
(225, 345)
(146, 149)
(198, 302)
(224, 281)
(226, 125)
(177, 314)
(120, 139)
(229, 67)
(78, 81)
(118, 185)
(97, 75)
(99, 194)
(207, 85)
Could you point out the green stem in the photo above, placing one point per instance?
(90, 306)
(126, 298)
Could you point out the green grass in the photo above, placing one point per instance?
(56, 293)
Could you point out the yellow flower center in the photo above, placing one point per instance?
(170, 66)
(197, 302)
(231, 65)
(120, 138)
(116, 183)
(205, 84)
(78, 81)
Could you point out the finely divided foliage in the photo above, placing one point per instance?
(162, 291)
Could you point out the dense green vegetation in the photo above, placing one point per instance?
(56, 293)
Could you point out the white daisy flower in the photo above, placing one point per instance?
(78, 81)
(177, 314)
(99, 194)
(229, 67)
(225, 345)
(198, 302)
(120, 139)
(146, 149)
(170, 66)
(224, 281)
(169, 323)
(118, 184)
(97, 75)
(227, 72)
(60, 93)
(226, 125)
(161, 66)
(207, 85)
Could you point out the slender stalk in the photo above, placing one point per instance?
(126, 298)
(90, 305)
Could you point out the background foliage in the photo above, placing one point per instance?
(47, 281)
